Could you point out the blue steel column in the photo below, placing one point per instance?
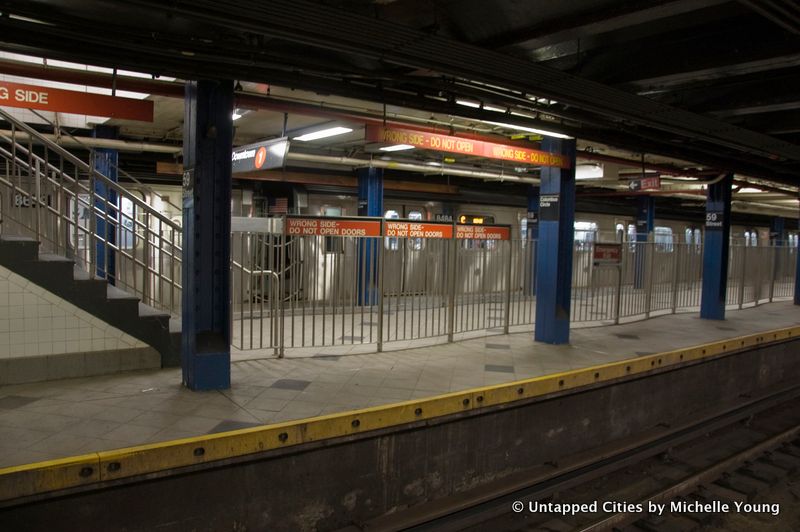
(207, 147)
(105, 162)
(797, 274)
(715, 250)
(645, 221)
(533, 231)
(370, 203)
(554, 253)
(777, 233)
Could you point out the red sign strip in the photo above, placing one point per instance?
(483, 232)
(607, 253)
(465, 146)
(81, 103)
(418, 230)
(332, 227)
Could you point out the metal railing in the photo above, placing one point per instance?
(53, 196)
(446, 289)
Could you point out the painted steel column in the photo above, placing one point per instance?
(533, 232)
(554, 253)
(715, 250)
(645, 222)
(207, 147)
(106, 161)
(370, 203)
(777, 231)
(797, 273)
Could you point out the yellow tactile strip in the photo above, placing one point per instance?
(52, 475)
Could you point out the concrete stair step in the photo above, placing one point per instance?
(61, 276)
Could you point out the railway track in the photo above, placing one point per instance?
(698, 475)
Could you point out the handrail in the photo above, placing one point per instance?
(255, 272)
(60, 206)
(86, 167)
(274, 302)
(120, 170)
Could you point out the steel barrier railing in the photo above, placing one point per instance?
(336, 291)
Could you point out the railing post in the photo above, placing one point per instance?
(451, 304)
(35, 203)
(675, 269)
(92, 233)
(282, 291)
(508, 285)
(75, 222)
(620, 273)
(146, 259)
(381, 267)
(649, 274)
(743, 276)
(773, 271)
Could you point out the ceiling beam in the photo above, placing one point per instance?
(609, 18)
(378, 40)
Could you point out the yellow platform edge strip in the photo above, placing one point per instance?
(52, 475)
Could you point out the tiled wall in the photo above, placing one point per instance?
(34, 322)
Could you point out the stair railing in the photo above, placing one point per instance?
(53, 196)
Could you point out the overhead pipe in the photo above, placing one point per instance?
(135, 146)
(408, 167)
(175, 89)
(92, 142)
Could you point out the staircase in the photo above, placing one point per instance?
(59, 233)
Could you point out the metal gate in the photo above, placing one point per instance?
(308, 283)
(313, 282)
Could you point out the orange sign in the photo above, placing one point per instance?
(478, 148)
(261, 157)
(483, 232)
(81, 103)
(607, 253)
(332, 227)
(418, 230)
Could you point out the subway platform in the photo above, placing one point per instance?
(55, 419)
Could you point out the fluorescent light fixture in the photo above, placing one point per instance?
(524, 115)
(397, 147)
(530, 130)
(236, 116)
(468, 103)
(323, 133)
(750, 190)
(588, 171)
(494, 108)
(433, 163)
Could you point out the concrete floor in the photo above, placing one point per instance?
(74, 416)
